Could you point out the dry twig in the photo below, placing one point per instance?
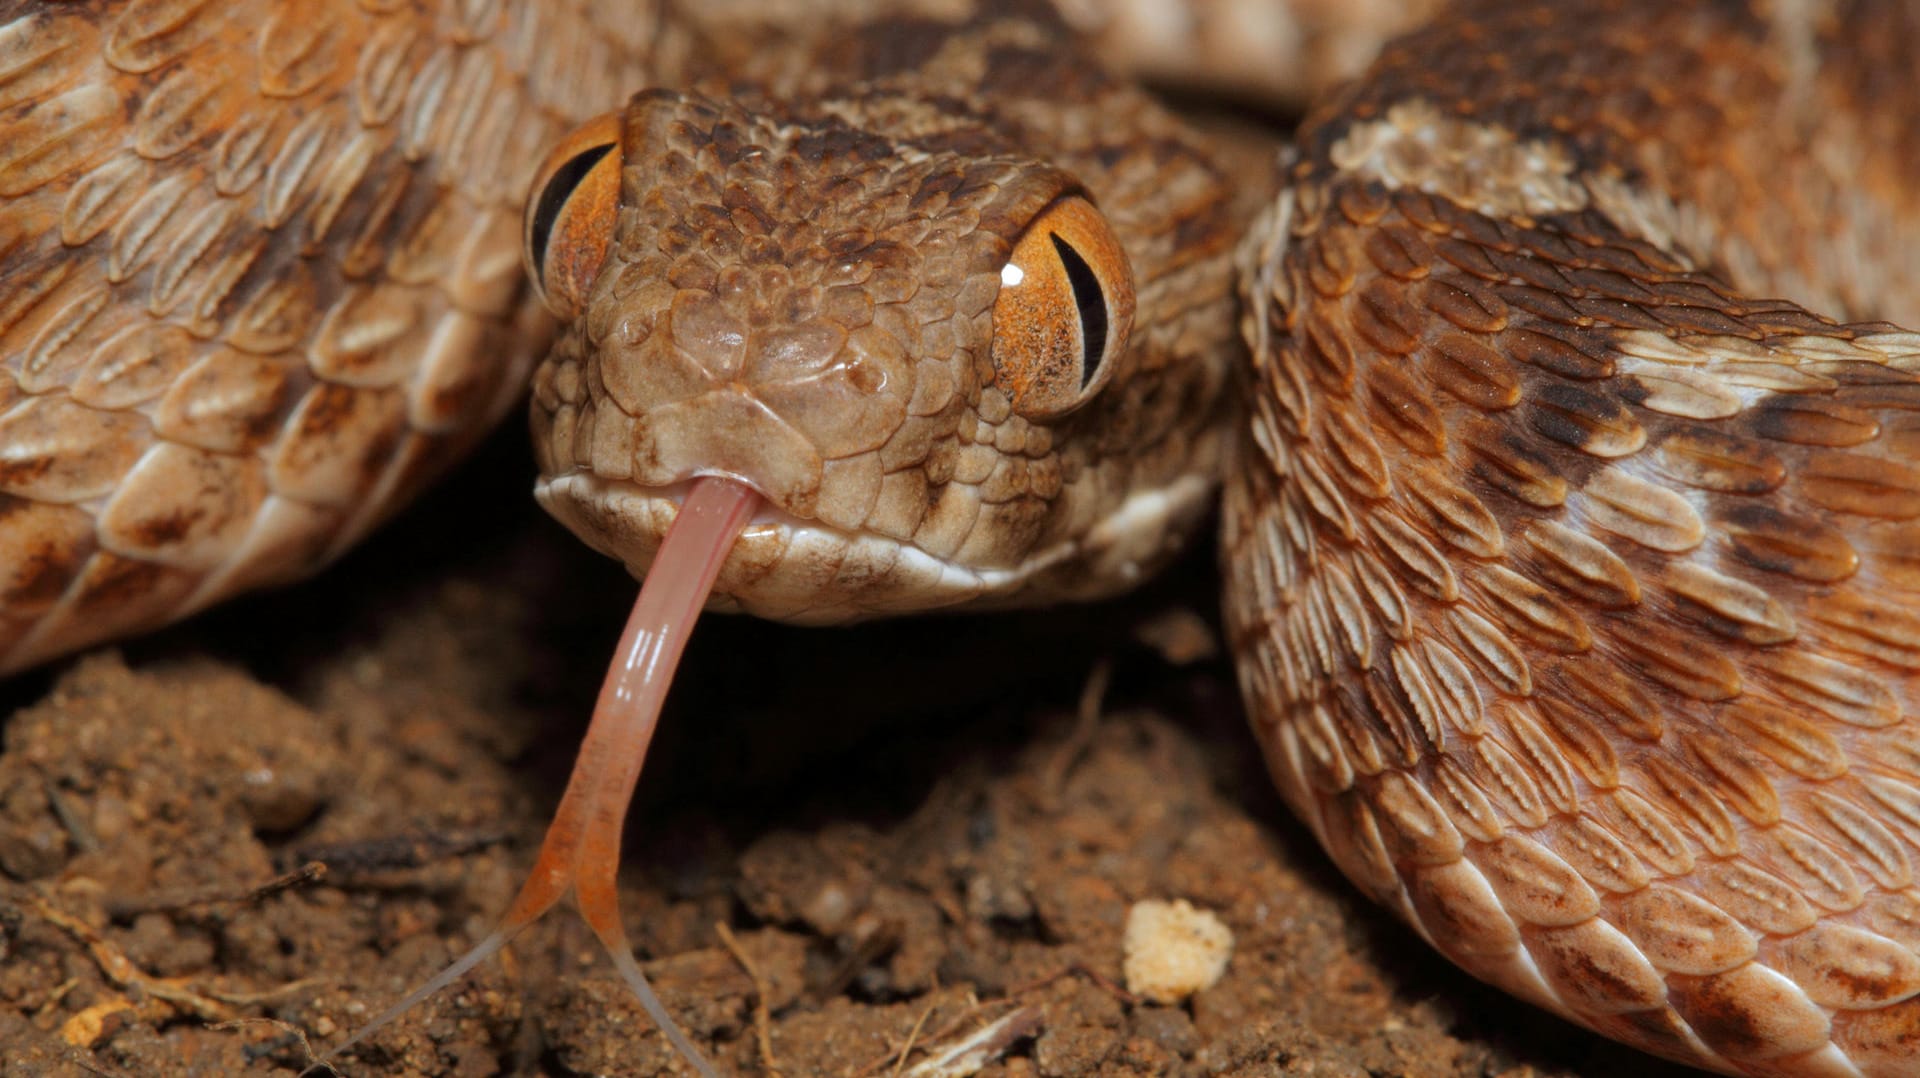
(762, 1017)
(1082, 970)
(118, 968)
(177, 992)
(306, 1046)
(971, 1053)
(165, 902)
(1086, 720)
(912, 1035)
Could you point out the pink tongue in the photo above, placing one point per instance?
(582, 847)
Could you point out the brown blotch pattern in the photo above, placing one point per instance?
(259, 279)
(1572, 585)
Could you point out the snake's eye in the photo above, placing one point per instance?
(570, 214)
(1064, 310)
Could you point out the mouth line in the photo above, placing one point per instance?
(767, 514)
(770, 516)
(925, 580)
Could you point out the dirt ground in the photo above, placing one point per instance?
(911, 833)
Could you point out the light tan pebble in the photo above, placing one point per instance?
(1174, 950)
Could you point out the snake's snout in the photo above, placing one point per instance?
(803, 396)
(711, 385)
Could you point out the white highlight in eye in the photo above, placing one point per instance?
(1011, 275)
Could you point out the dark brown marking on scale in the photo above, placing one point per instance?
(1670, 530)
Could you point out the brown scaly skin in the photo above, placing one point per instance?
(259, 280)
(1572, 590)
(1575, 593)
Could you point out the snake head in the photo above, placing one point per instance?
(897, 343)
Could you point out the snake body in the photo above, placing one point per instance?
(1572, 588)
(259, 279)
(1569, 585)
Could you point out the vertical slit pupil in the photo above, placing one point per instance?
(1092, 301)
(554, 197)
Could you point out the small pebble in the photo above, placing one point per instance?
(1173, 950)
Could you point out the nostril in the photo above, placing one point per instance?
(866, 377)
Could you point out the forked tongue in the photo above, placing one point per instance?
(582, 848)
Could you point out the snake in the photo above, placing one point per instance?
(1569, 577)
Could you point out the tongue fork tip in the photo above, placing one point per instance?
(581, 851)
